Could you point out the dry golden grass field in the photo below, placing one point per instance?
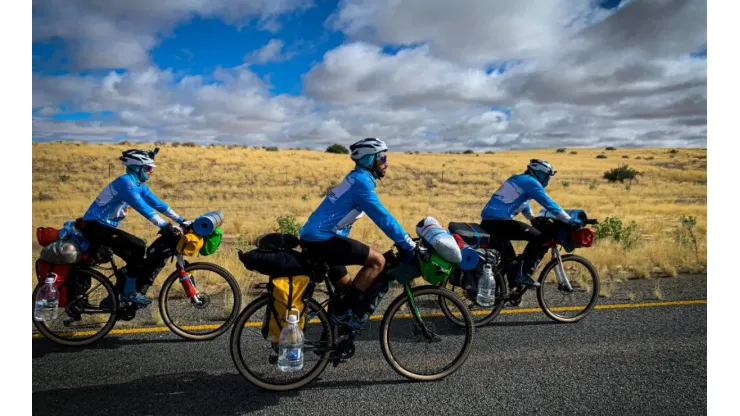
(254, 186)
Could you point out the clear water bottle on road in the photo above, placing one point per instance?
(290, 350)
(47, 300)
(486, 287)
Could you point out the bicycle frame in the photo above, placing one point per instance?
(185, 278)
(344, 345)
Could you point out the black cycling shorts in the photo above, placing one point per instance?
(337, 252)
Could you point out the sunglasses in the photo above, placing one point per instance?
(383, 159)
(148, 168)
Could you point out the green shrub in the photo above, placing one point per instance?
(612, 228)
(337, 148)
(685, 236)
(288, 225)
(621, 174)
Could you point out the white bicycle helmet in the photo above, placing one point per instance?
(541, 170)
(364, 147)
(136, 157)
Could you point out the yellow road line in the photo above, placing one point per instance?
(125, 331)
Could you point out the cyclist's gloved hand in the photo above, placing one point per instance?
(171, 230)
(421, 252)
(575, 222)
(185, 223)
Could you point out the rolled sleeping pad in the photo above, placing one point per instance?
(206, 223)
(443, 242)
(578, 213)
(470, 258)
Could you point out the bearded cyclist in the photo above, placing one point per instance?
(325, 234)
(100, 222)
(511, 199)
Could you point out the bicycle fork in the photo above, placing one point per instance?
(563, 283)
(187, 283)
(426, 332)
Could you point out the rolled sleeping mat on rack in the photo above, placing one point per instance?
(206, 223)
(578, 213)
(470, 258)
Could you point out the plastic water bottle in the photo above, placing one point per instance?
(486, 287)
(47, 300)
(290, 349)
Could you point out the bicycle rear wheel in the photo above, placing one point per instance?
(568, 306)
(427, 346)
(220, 296)
(86, 318)
(481, 315)
(256, 358)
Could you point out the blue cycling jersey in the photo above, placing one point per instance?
(347, 203)
(113, 202)
(513, 197)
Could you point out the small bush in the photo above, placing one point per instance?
(621, 173)
(573, 152)
(43, 196)
(612, 228)
(685, 236)
(593, 185)
(304, 197)
(337, 148)
(160, 143)
(468, 152)
(561, 150)
(189, 144)
(638, 158)
(241, 243)
(490, 152)
(288, 225)
(650, 158)
(601, 156)
(63, 178)
(272, 149)
(565, 184)
(673, 151)
(611, 148)
(625, 157)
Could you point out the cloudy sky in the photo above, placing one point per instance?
(421, 74)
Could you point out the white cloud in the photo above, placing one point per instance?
(119, 34)
(271, 52)
(587, 77)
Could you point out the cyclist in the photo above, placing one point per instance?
(325, 234)
(100, 222)
(511, 199)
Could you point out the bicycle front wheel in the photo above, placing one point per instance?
(256, 358)
(220, 300)
(86, 318)
(563, 305)
(418, 341)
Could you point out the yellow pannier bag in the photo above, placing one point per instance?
(286, 293)
(189, 244)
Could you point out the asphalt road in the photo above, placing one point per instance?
(644, 360)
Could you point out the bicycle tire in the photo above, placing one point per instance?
(236, 351)
(485, 319)
(388, 317)
(77, 340)
(183, 332)
(594, 297)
